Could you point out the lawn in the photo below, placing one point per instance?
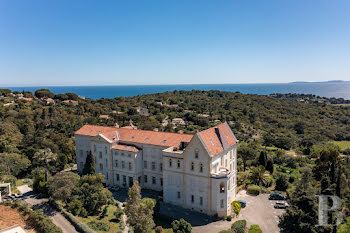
(108, 220)
(343, 145)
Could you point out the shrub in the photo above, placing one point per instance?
(236, 206)
(255, 229)
(281, 183)
(75, 207)
(181, 226)
(122, 225)
(99, 226)
(159, 229)
(253, 189)
(118, 213)
(229, 218)
(239, 226)
(43, 223)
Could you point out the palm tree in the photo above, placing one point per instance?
(43, 158)
(257, 174)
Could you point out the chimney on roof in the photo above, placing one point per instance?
(116, 125)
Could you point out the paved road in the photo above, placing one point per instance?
(41, 203)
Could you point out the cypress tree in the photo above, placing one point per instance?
(89, 166)
(263, 158)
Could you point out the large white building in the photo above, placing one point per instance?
(193, 171)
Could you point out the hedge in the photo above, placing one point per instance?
(79, 226)
(255, 229)
(253, 189)
(239, 226)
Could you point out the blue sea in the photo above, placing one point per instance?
(323, 89)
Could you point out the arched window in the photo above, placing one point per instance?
(222, 187)
(196, 152)
(201, 167)
(192, 166)
(178, 163)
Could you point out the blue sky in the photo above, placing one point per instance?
(83, 42)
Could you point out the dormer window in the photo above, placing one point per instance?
(211, 141)
(146, 139)
(132, 137)
(164, 141)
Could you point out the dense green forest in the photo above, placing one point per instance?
(285, 145)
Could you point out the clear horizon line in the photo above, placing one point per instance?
(172, 84)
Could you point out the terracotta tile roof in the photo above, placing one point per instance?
(218, 139)
(94, 130)
(136, 136)
(125, 148)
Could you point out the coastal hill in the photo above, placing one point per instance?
(30, 122)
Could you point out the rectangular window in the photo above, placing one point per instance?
(100, 155)
(170, 163)
(101, 166)
(153, 166)
(222, 203)
(178, 163)
(161, 167)
(124, 180)
(178, 195)
(145, 178)
(192, 198)
(201, 200)
(130, 166)
(117, 177)
(145, 164)
(153, 180)
(123, 164)
(161, 181)
(105, 149)
(116, 163)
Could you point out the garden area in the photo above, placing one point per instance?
(107, 222)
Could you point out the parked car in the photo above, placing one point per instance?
(243, 203)
(114, 188)
(281, 205)
(277, 196)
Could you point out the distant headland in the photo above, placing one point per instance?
(330, 81)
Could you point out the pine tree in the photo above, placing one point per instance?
(89, 166)
(140, 215)
(269, 166)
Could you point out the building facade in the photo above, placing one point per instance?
(197, 172)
